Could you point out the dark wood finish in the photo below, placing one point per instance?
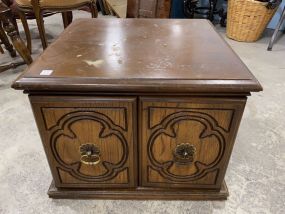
(10, 65)
(132, 8)
(6, 2)
(67, 18)
(184, 96)
(10, 29)
(1, 49)
(106, 122)
(139, 193)
(18, 15)
(9, 4)
(4, 39)
(145, 55)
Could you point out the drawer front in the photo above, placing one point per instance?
(187, 142)
(89, 142)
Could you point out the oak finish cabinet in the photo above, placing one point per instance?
(139, 109)
(71, 128)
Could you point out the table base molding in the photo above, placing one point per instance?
(138, 194)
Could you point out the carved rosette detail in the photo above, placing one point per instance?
(63, 128)
(211, 128)
(184, 153)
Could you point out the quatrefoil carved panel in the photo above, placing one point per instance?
(108, 132)
(169, 127)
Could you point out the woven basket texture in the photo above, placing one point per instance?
(247, 19)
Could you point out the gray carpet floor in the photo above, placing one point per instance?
(255, 176)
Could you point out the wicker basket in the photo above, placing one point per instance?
(247, 19)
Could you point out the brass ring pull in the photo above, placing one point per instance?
(90, 154)
(184, 153)
(90, 160)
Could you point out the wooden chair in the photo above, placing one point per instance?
(39, 7)
(11, 4)
(7, 27)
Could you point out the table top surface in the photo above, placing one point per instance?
(139, 55)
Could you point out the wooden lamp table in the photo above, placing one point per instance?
(138, 109)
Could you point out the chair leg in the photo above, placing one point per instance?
(23, 18)
(6, 42)
(93, 8)
(41, 27)
(1, 49)
(11, 65)
(67, 18)
(14, 21)
(282, 18)
(16, 40)
(102, 8)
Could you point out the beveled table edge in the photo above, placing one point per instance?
(136, 85)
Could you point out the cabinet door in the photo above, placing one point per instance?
(187, 142)
(89, 142)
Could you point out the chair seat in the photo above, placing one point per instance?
(52, 3)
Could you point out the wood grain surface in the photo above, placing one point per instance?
(66, 123)
(209, 125)
(139, 55)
